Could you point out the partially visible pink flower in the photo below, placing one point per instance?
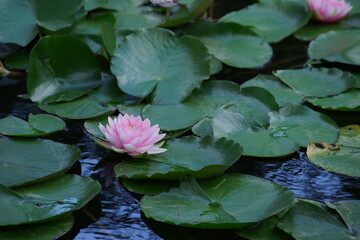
(132, 135)
(329, 10)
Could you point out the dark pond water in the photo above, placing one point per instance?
(121, 217)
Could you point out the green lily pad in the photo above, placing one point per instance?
(349, 211)
(92, 126)
(46, 201)
(205, 102)
(232, 44)
(49, 158)
(282, 93)
(98, 102)
(124, 5)
(19, 19)
(319, 82)
(271, 20)
(208, 158)
(17, 22)
(339, 159)
(134, 21)
(62, 68)
(167, 80)
(337, 46)
(19, 59)
(58, 14)
(310, 32)
(349, 136)
(288, 129)
(301, 219)
(346, 101)
(187, 12)
(226, 202)
(81, 108)
(355, 7)
(91, 24)
(8, 49)
(148, 187)
(215, 66)
(40, 231)
(265, 230)
(342, 157)
(38, 125)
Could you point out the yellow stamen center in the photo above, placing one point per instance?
(132, 127)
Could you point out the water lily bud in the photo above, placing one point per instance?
(329, 10)
(132, 135)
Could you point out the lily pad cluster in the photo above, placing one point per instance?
(88, 60)
(36, 195)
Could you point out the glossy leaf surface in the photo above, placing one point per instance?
(232, 44)
(271, 20)
(38, 125)
(62, 68)
(47, 157)
(47, 200)
(178, 65)
(225, 202)
(319, 82)
(346, 101)
(301, 219)
(282, 93)
(208, 158)
(337, 46)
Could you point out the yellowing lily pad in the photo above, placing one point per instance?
(343, 157)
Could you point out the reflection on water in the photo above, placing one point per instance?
(304, 178)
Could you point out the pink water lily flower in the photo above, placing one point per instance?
(132, 135)
(329, 10)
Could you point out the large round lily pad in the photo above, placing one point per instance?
(47, 200)
(343, 157)
(319, 82)
(25, 161)
(178, 65)
(226, 202)
(37, 125)
(337, 46)
(62, 68)
(271, 20)
(208, 158)
(232, 44)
